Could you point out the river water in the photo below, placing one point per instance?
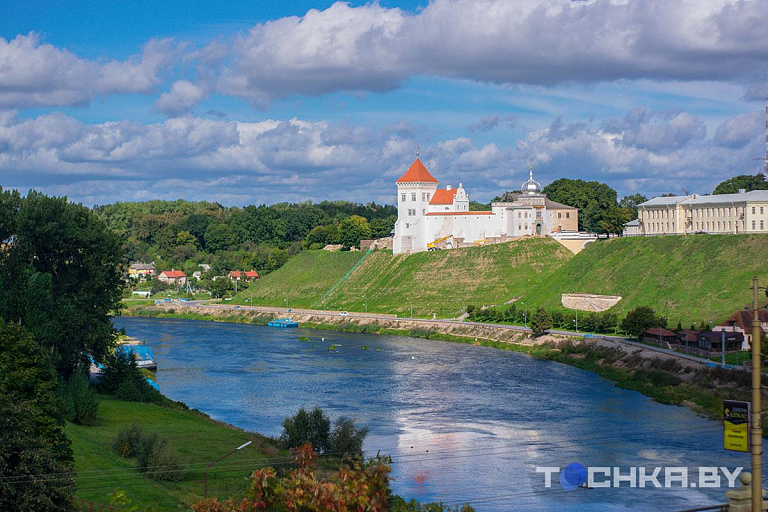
(462, 423)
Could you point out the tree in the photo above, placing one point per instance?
(33, 442)
(352, 230)
(307, 427)
(219, 237)
(593, 199)
(614, 219)
(346, 438)
(630, 203)
(541, 322)
(60, 276)
(744, 181)
(639, 320)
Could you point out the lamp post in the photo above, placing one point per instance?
(756, 429)
(217, 460)
(525, 314)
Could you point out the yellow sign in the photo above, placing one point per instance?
(736, 426)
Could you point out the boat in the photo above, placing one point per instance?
(283, 322)
(145, 356)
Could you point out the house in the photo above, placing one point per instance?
(173, 277)
(745, 212)
(141, 271)
(688, 338)
(632, 228)
(142, 293)
(197, 275)
(741, 321)
(247, 276)
(657, 335)
(713, 341)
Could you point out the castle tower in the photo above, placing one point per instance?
(414, 191)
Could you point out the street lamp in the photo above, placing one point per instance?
(217, 460)
(525, 314)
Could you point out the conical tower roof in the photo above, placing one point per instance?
(417, 173)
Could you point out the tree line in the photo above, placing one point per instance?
(182, 234)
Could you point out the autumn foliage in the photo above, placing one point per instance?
(358, 486)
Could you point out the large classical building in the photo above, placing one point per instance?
(745, 212)
(429, 217)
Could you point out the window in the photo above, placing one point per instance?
(519, 214)
(424, 211)
(413, 196)
(753, 224)
(567, 215)
(762, 225)
(411, 212)
(423, 196)
(559, 215)
(402, 197)
(753, 209)
(407, 225)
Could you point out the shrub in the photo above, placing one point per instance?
(128, 441)
(306, 427)
(152, 453)
(345, 438)
(78, 400)
(541, 322)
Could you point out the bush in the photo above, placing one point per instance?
(541, 322)
(128, 441)
(345, 438)
(78, 400)
(306, 427)
(152, 453)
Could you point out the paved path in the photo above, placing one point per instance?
(443, 321)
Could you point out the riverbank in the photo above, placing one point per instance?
(664, 378)
(105, 478)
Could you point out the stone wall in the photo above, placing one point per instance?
(589, 302)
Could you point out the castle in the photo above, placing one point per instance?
(430, 218)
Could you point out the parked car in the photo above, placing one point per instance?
(344, 313)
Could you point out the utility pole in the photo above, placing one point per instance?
(756, 430)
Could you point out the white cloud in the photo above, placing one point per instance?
(295, 160)
(372, 48)
(34, 74)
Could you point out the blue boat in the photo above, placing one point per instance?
(145, 356)
(283, 322)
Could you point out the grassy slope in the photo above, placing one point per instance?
(444, 282)
(302, 280)
(690, 279)
(196, 438)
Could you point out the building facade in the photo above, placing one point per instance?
(745, 212)
(429, 217)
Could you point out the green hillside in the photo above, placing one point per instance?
(687, 278)
(301, 281)
(441, 282)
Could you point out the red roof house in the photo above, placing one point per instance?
(173, 277)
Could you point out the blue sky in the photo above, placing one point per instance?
(253, 102)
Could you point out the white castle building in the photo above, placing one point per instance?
(430, 218)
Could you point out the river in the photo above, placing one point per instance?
(462, 423)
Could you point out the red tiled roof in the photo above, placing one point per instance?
(443, 196)
(658, 331)
(743, 319)
(246, 274)
(460, 213)
(173, 273)
(688, 335)
(417, 173)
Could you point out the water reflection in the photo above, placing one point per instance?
(462, 423)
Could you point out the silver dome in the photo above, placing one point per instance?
(531, 186)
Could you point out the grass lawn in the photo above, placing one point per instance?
(696, 278)
(198, 440)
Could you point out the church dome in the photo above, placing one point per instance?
(531, 186)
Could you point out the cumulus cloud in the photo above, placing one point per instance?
(34, 74)
(372, 48)
(295, 160)
(183, 96)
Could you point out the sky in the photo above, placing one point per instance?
(251, 102)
